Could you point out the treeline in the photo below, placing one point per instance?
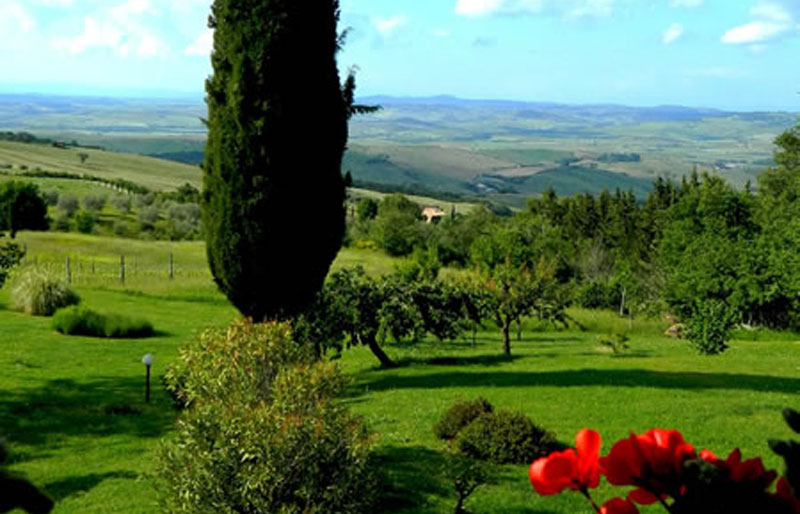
(693, 247)
(28, 138)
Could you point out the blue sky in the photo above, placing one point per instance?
(733, 54)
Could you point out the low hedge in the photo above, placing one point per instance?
(78, 320)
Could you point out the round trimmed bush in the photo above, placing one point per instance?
(78, 320)
(38, 293)
(459, 416)
(505, 437)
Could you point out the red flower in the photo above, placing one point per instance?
(652, 461)
(569, 470)
(751, 470)
(619, 506)
(784, 492)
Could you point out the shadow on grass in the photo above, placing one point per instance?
(486, 360)
(97, 408)
(66, 487)
(411, 476)
(583, 378)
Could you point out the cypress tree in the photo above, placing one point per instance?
(277, 118)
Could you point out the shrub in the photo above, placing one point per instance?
(94, 203)
(11, 255)
(50, 198)
(505, 437)
(68, 204)
(85, 222)
(38, 293)
(262, 431)
(120, 228)
(708, 327)
(148, 216)
(77, 320)
(459, 416)
(122, 203)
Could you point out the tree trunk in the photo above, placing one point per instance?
(519, 329)
(622, 303)
(376, 350)
(506, 337)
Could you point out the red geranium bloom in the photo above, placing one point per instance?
(653, 461)
(619, 506)
(751, 470)
(569, 470)
(784, 492)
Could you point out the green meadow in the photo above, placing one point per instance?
(73, 407)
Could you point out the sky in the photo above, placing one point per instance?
(729, 54)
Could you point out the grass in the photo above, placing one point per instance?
(565, 381)
(156, 174)
(74, 412)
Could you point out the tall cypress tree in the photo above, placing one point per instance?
(277, 119)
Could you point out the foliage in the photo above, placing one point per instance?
(504, 437)
(790, 452)
(22, 207)
(18, 493)
(94, 203)
(81, 321)
(68, 204)
(263, 431)
(274, 69)
(617, 342)
(34, 291)
(466, 475)
(11, 255)
(85, 221)
(708, 327)
(459, 415)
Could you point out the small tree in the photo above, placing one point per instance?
(22, 208)
(68, 204)
(83, 157)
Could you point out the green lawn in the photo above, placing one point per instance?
(66, 400)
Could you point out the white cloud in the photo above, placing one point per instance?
(565, 8)
(386, 26)
(201, 46)
(672, 34)
(689, 4)
(118, 29)
(57, 3)
(771, 19)
(14, 17)
(441, 33)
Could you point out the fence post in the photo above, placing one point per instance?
(122, 268)
(92, 266)
(171, 266)
(69, 271)
(135, 266)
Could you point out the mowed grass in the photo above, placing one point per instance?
(73, 407)
(565, 381)
(156, 174)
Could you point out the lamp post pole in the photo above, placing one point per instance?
(147, 360)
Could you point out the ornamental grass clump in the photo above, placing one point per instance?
(262, 430)
(36, 292)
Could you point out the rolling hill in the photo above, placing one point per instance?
(446, 147)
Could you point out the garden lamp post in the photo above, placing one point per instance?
(147, 360)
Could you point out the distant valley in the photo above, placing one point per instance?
(497, 151)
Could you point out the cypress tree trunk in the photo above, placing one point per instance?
(273, 192)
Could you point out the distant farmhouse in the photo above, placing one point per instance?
(432, 214)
